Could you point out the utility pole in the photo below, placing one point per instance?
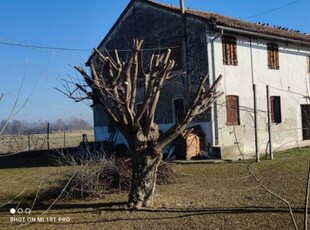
(186, 79)
(269, 122)
(48, 136)
(255, 123)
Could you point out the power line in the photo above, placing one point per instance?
(274, 9)
(78, 49)
(42, 47)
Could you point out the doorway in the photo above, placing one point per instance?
(305, 119)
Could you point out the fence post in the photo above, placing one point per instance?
(48, 136)
(255, 123)
(64, 139)
(28, 134)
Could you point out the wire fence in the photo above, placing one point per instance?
(33, 141)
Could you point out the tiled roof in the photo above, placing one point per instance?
(236, 23)
(219, 20)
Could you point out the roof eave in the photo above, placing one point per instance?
(261, 35)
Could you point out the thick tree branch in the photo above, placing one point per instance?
(202, 101)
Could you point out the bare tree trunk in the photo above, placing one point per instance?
(144, 173)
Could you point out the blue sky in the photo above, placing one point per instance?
(82, 24)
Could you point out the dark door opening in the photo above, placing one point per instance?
(305, 118)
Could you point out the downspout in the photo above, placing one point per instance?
(252, 65)
(215, 126)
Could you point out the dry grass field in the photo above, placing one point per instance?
(19, 143)
(205, 196)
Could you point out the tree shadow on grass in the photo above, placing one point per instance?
(101, 209)
(121, 206)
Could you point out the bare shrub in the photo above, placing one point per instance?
(98, 174)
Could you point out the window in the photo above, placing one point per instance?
(273, 56)
(229, 50)
(232, 110)
(275, 109)
(176, 53)
(178, 105)
(305, 113)
(308, 63)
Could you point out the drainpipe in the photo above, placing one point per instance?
(215, 126)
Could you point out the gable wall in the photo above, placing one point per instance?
(158, 28)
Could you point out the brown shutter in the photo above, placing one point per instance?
(229, 46)
(232, 110)
(235, 60)
(273, 56)
(229, 52)
(276, 54)
(269, 56)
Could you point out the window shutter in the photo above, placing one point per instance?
(232, 110)
(276, 55)
(229, 46)
(273, 56)
(269, 57)
(229, 52)
(235, 59)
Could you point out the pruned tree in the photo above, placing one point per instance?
(113, 84)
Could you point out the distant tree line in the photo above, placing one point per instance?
(15, 127)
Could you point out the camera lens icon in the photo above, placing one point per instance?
(20, 211)
(12, 210)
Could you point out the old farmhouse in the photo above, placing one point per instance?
(265, 69)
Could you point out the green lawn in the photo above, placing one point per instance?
(205, 196)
